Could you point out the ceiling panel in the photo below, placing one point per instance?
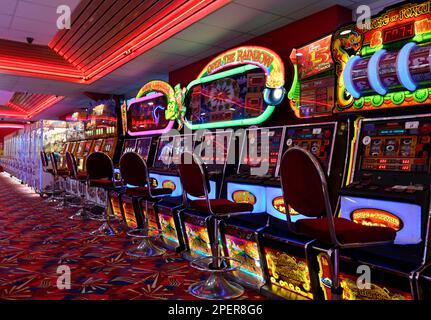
(8, 6)
(25, 24)
(207, 34)
(239, 18)
(277, 23)
(181, 47)
(5, 21)
(276, 7)
(38, 12)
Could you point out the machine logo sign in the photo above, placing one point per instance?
(169, 184)
(243, 196)
(376, 217)
(278, 204)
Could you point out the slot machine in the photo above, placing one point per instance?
(272, 259)
(144, 120)
(237, 89)
(85, 152)
(63, 154)
(384, 80)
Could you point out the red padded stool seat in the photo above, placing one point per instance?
(103, 183)
(221, 206)
(346, 231)
(143, 192)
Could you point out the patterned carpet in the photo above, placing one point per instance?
(35, 240)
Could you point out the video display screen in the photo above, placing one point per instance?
(317, 138)
(395, 145)
(81, 148)
(108, 146)
(143, 147)
(214, 150)
(262, 148)
(182, 143)
(129, 145)
(98, 145)
(163, 159)
(236, 97)
(147, 113)
(87, 147)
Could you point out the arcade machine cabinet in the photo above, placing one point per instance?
(386, 68)
(227, 96)
(144, 120)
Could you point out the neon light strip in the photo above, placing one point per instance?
(158, 131)
(145, 98)
(229, 123)
(373, 73)
(403, 71)
(11, 125)
(223, 74)
(347, 77)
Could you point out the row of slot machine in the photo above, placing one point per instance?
(104, 141)
(358, 101)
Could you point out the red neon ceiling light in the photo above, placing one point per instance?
(49, 64)
(27, 106)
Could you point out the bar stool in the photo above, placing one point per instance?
(195, 182)
(80, 177)
(100, 172)
(134, 172)
(305, 189)
(59, 173)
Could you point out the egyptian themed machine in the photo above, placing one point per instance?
(237, 89)
(146, 119)
(384, 78)
(259, 240)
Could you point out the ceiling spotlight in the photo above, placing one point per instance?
(344, 32)
(299, 54)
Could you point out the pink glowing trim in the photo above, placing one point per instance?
(158, 131)
(150, 132)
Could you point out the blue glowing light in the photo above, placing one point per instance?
(347, 77)
(403, 72)
(257, 191)
(373, 72)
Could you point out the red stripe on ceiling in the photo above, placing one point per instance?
(29, 105)
(116, 35)
(105, 34)
(97, 27)
(74, 19)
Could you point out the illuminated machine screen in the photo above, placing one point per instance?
(143, 147)
(98, 145)
(73, 147)
(214, 150)
(181, 144)
(318, 139)
(163, 157)
(395, 145)
(231, 95)
(129, 145)
(261, 149)
(147, 114)
(81, 148)
(87, 147)
(108, 146)
(313, 88)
